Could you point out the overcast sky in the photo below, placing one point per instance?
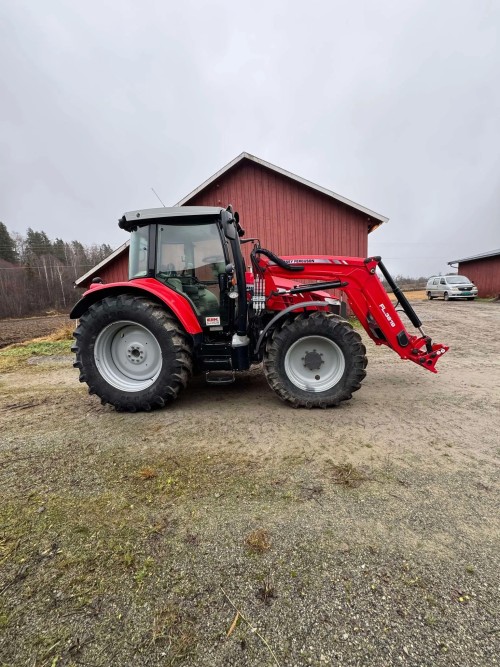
(394, 104)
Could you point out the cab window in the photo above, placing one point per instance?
(138, 253)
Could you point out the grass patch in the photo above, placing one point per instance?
(347, 475)
(258, 541)
(15, 356)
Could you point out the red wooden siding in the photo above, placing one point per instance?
(112, 272)
(484, 273)
(288, 217)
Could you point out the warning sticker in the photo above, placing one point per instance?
(212, 321)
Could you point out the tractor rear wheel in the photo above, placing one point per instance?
(132, 353)
(315, 361)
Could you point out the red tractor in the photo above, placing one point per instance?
(190, 306)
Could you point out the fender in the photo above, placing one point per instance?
(178, 304)
(282, 313)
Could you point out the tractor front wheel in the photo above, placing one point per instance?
(132, 353)
(316, 360)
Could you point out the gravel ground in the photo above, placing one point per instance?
(365, 535)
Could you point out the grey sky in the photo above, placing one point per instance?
(395, 105)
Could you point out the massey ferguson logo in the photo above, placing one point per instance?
(387, 316)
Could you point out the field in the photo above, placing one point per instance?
(19, 330)
(230, 529)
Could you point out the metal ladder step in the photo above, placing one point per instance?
(219, 377)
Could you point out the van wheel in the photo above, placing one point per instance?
(429, 296)
(446, 296)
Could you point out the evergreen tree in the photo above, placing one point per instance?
(7, 246)
(59, 250)
(37, 243)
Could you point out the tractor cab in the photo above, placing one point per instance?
(193, 251)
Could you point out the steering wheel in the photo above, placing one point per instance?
(193, 279)
(213, 259)
(170, 271)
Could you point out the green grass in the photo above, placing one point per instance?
(16, 356)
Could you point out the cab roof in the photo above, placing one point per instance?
(134, 219)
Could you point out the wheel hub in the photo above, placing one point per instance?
(136, 353)
(313, 360)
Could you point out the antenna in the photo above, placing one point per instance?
(158, 198)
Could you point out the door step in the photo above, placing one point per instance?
(219, 377)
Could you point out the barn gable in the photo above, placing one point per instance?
(289, 214)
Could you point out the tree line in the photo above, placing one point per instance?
(37, 273)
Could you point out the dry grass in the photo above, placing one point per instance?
(258, 541)
(64, 333)
(416, 295)
(347, 475)
(147, 473)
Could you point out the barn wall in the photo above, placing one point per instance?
(484, 273)
(114, 271)
(288, 217)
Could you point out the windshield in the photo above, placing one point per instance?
(191, 251)
(455, 280)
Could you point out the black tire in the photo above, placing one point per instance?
(446, 296)
(349, 355)
(429, 296)
(169, 353)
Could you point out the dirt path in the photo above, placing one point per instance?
(379, 519)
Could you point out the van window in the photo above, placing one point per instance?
(435, 281)
(443, 281)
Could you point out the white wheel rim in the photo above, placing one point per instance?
(314, 363)
(128, 356)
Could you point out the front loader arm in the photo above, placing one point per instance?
(365, 294)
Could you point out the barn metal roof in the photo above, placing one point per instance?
(491, 253)
(288, 174)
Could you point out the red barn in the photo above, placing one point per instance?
(288, 214)
(483, 270)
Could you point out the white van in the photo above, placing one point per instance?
(451, 287)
